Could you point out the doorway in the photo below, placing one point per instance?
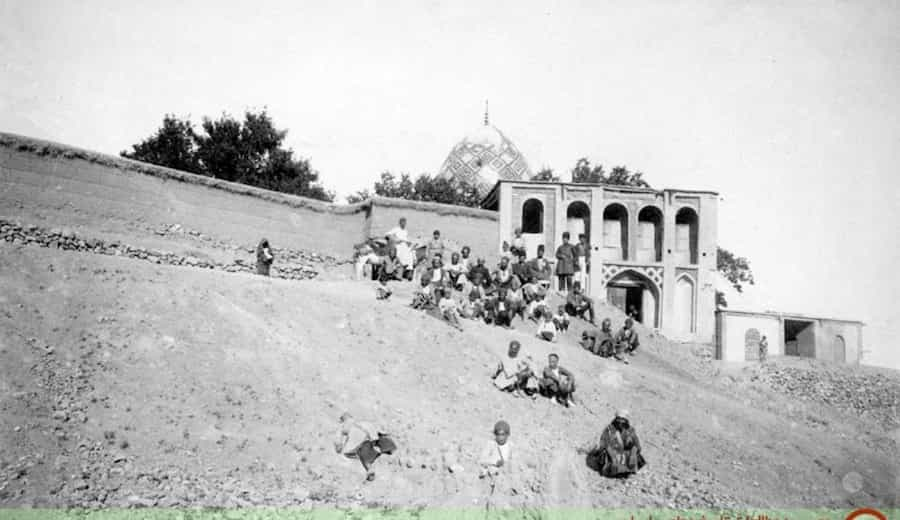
(635, 295)
(799, 338)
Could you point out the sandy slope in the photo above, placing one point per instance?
(127, 383)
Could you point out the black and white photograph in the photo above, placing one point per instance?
(450, 259)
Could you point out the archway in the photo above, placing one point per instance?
(840, 350)
(751, 345)
(615, 232)
(632, 292)
(533, 216)
(650, 230)
(578, 220)
(532, 225)
(686, 229)
(684, 305)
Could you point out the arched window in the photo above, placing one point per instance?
(840, 350)
(751, 344)
(650, 228)
(615, 232)
(686, 229)
(533, 216)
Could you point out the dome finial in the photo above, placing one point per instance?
(486, 112)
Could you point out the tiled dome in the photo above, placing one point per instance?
(484, 157)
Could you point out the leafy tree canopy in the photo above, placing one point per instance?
(425, 188)
(249, 151)
(735, 269)
(584, 173)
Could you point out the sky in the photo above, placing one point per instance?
(788, 109)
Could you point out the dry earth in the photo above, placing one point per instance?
(127, 383)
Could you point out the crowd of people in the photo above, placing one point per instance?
(457, 285)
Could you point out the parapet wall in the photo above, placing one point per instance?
(56, 185)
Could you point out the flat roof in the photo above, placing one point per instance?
(785, 315)
(490, 200)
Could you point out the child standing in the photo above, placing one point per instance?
(497, 454)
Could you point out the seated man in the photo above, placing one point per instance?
(423, 297)
(436, 274)
(447, 308)
(627, 339)
(539, 268)
(366, 256)
(546, 329)
(362, 441)
(502, 311)
(503, 276)
(480, 271)
(557, 382)
(577, 304)
(456, 270)
(391, 268)
(515, 375)
(561, 320)
(520, 269)
(532, 290)
(618, 451)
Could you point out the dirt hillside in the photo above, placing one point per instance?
(126, 382)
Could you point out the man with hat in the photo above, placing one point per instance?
(618, 452)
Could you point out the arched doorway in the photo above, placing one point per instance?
(686, 229)
(751, 345)
(615, 232)
(578, 220)
(684, 305)
(840, 350)
(650, 233)
(533, 226)
(632, 291)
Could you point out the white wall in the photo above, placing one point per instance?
(736, 326)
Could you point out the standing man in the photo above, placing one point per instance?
(565, 263)
(763, 349)
(581, 260)
(399, 238)
(264, 257)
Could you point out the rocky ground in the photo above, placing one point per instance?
(133, 383)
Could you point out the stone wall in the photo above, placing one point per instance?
(291, 264)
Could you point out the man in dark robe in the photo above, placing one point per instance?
(565, 263)
(617, 454)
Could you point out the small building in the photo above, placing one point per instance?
(651, 250)
(738, 334)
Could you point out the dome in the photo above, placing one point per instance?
(483, 157)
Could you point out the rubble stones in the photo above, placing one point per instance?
(291, 264)
(873, 395)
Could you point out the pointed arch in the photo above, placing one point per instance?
(685, 308)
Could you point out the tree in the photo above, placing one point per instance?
(584, 173)
(248, 151)
(621, 176)
(359, 196)
(390, 186)
(546, 174)
(425, 188)
(735, 269)
(172, 146)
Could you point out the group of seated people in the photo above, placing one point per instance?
(603, 343)
(517, 375)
